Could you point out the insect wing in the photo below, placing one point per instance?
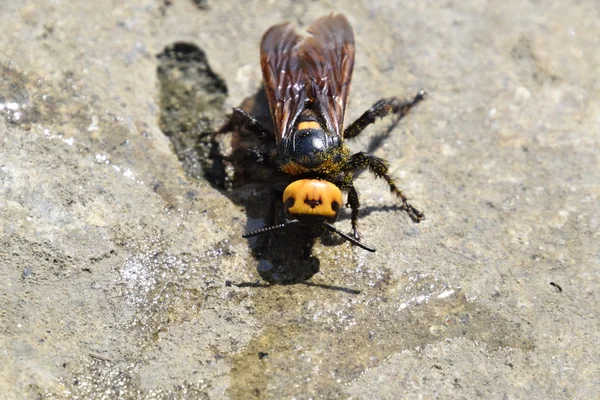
(283, 76)
(328, 60)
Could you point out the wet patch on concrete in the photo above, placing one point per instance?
(166, 300)
(26, 99)
(99, 378)
(59, 113)
(191, 99)
(328, 338)
(160, 288)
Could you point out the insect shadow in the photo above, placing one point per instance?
(192, 108)
(191, 100)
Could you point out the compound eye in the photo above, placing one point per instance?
(289, 203)
(335, 206)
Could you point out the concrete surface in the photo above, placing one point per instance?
(115, 250)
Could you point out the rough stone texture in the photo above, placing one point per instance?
(113, 259)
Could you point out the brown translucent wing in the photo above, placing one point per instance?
(328, 59)
(283, 76)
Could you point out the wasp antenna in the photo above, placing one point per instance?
(271, 228)
(349, 238)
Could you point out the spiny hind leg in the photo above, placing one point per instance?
(379, 168)
(380, 109)
(241, 119)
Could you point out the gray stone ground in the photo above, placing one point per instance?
(114, 259)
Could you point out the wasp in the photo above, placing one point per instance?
(307, 82)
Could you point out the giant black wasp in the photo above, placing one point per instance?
(307, 82)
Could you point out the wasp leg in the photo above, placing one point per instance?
(241, 119)
(379, 168)
(380, 109)
(261, 157)
(354, 204)
(307, 248)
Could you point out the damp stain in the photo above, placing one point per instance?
(158, 290)
(57, 109)
(191, 100)
(162, 289)
(26, 99)
(61, 113)
(101, 379)
(320, 340)
(156, 286)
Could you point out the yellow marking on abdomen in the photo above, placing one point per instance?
(308, 125)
